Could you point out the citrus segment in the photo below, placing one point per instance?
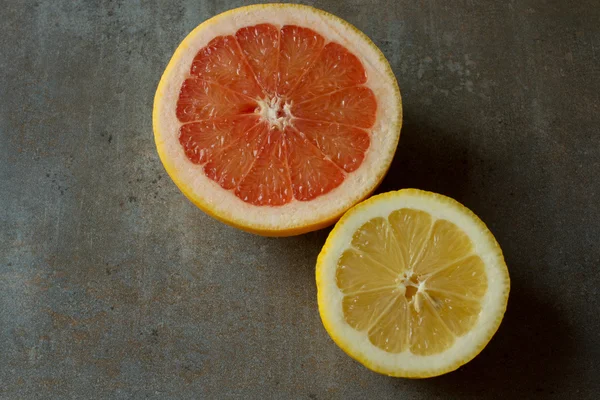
(412, 230)
(299, 47)
(352, 276)
(403, 286)
(447, 244)
(458, 313)
(355, 106)
(465, 277)
(376, 240)
(363, 311)
(229, 165)
(388, 333)
(344, 145)
(428, 333)
(260, 46)
(202, 100)
(315, 87)
(268, 181)
(201, 139)
(311, 173)
(335, 68)
(221, 61)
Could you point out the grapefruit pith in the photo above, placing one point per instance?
(277, 118)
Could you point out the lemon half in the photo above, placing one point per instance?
(411, 284)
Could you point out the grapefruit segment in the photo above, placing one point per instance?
(200, 100)
(268, 181)
(201, 139)
(260, 46)
(344, 145)
(335, 68)
(311, 174)
(222, 62)
(229, 165)
(354, 106)
(299, 47)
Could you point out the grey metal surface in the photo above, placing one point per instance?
(112, 285)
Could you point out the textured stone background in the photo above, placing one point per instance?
(112, 285)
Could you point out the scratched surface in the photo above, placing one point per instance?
(112, 285)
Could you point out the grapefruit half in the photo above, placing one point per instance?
(277, 118)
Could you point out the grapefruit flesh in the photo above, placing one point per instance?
(275, 114)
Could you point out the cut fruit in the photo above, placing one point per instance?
(411, 284)
(277, 118)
